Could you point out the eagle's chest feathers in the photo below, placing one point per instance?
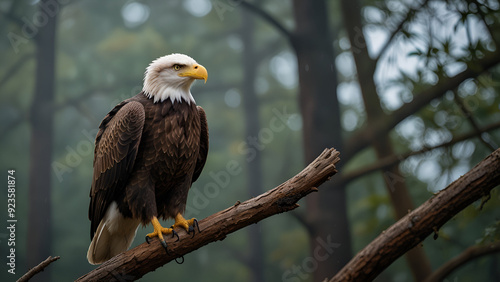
(175, 134)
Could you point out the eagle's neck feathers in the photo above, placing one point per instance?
(160, 92)
(154, 88)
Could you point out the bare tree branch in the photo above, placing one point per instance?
(302, 220)
(469, 254)
(384, 124)
(270, 19)
(346, 177)
(75, 101)
(135, 263)
(70, 102)
(474, 124)
(14, 68)
(13, 124)
(40, 267)
(9, 15)
(412, 229)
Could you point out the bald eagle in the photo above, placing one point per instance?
(148, 151)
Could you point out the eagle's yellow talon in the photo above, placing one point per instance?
(159, 231)
(185, 224)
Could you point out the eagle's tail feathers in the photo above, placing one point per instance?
(114, 235)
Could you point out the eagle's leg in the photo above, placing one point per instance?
(159, 231)
(187, 225)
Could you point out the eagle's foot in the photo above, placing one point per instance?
(159, 231)
(188, 225)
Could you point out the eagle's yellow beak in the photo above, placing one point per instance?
(195, 71)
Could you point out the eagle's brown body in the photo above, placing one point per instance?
(146, 157)
(152, 165)
(148, 151)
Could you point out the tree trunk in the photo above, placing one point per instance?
(39, 242)
(326, 211)
(252, 126)
(396, 187)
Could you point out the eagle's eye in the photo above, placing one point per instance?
(177, 67)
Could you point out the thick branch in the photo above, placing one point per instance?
(135, 263)
(412, 229)
(40, 267)
(468, 255)
(384, 124)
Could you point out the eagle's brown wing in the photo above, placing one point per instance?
(203, 152)
(116, 147)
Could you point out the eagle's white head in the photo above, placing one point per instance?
(171, 77)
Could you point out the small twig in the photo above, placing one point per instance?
(474, 124)
(302, 220)
(381, 126)
(488, 27)
(387, 162)
(40, 267)
(12, 18)
(469, 254)
(13, 124)
(14, 68)
(270, 19)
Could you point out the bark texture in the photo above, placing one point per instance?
(326, 213)
(135, 263)
(412, 229)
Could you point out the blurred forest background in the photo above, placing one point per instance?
(407, 91)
